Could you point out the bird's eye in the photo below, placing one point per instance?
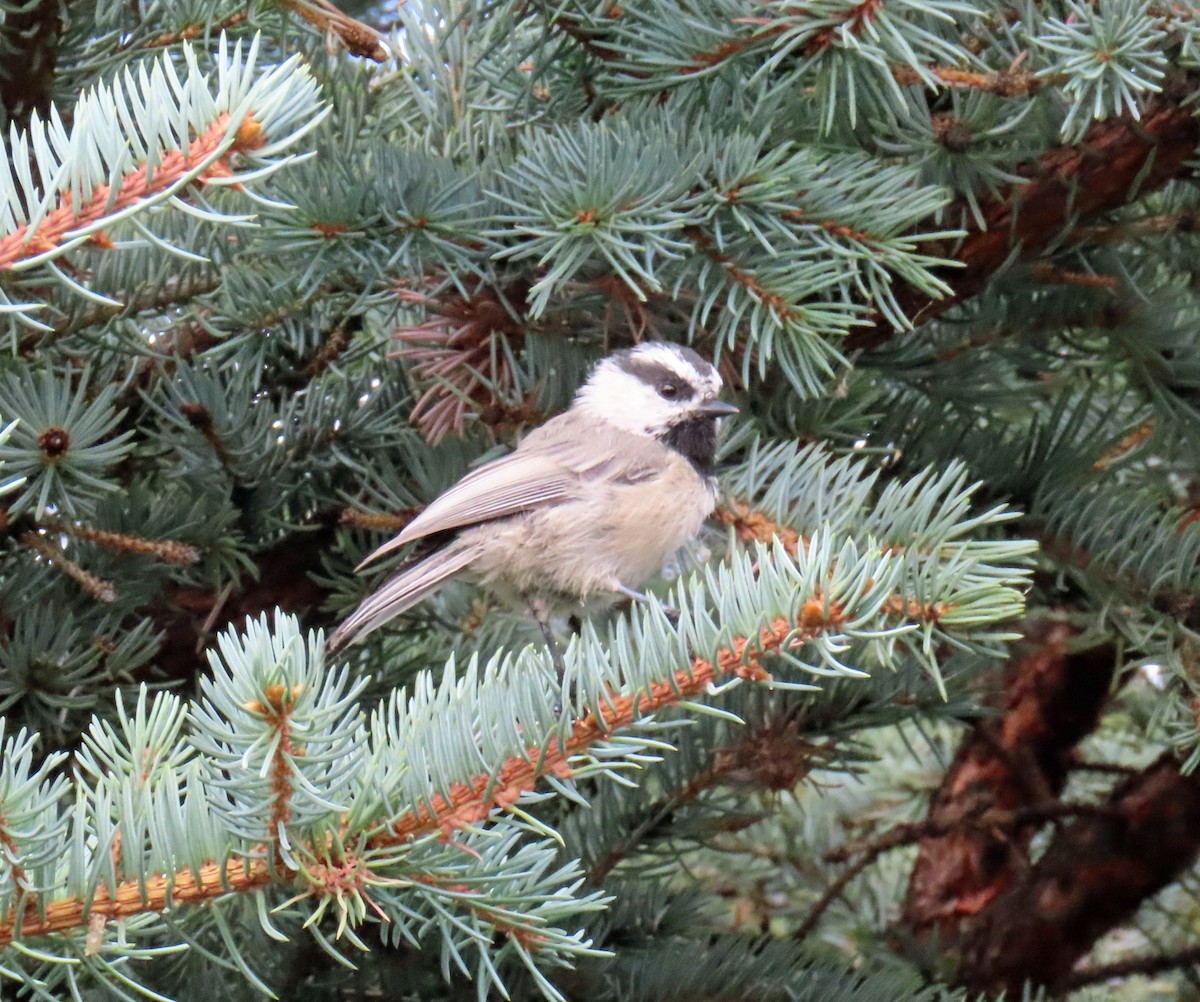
(668, 391)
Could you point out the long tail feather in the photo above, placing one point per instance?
(402, 592)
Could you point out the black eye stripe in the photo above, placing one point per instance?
(657, 375)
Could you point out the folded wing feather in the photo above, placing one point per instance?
(547, 468)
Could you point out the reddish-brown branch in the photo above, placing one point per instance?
(777, 304)
(169, 551)
(864, 852)
(1052, 274)
(195, 30)
(1005, 83)
(1127, 444)
(775, 755)
(277, 711)
(1117, 160)
(136, 186)
(379, 522)
(185, 888)
(975, 891)
(469, 803)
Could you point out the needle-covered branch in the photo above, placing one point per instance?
(63, 187)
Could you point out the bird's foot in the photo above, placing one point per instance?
(543, 621)
(642, 598)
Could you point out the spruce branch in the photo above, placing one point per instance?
(151, 895)
(1011, 82)
(157, 297)
(862, 853)
(66, 442)
(970, 883)
(377, 521)
(64, 188)
(287, 770)
(196, 29)
(1145, 840)
(467, 805)
(741, 659)
(1130, 967)
(169, 551)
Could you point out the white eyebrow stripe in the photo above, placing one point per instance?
(666, 355)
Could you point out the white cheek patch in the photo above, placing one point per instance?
(612, 396)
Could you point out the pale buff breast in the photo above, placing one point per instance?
(615, 533)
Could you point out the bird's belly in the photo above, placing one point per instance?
(618, 537)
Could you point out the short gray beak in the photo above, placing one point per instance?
(716, 408)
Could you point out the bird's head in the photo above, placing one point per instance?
(657, 389)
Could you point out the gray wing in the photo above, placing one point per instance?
(548, 467)
(399, 593)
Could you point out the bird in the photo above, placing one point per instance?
(591, 504)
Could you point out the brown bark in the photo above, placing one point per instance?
(974, 894)
(1093, 876)
(1052, 699)
(1117, 160)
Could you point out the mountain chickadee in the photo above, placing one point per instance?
(594, 501)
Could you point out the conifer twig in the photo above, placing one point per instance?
(196, 29)
(169, 551)
(864, 852)
(358, 38)
(1117, 159)
(470, 803)
(98, 588)
(830, 895)
(137, 185)
(380, 521)
(1131, 966)
(753, 526)
(467, 804)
